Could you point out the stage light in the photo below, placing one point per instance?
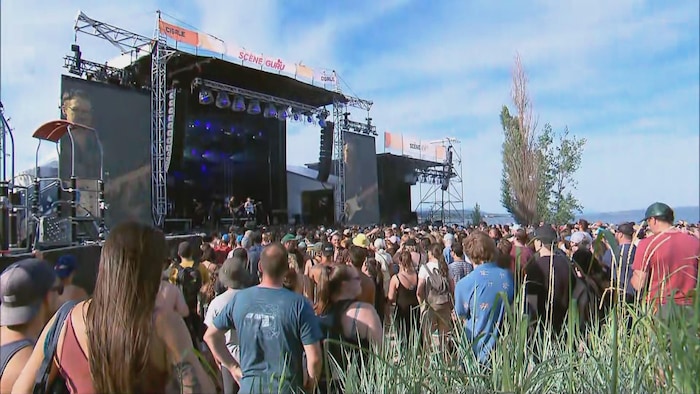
(283, 114)
(270, 111)
(222, 100)
(205, 96)
(238, 104)
(322, 118)
(309, 118)
(254, 107)
(322, 123)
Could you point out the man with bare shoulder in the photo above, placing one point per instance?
(327, 252)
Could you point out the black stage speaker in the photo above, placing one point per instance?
(325, 156)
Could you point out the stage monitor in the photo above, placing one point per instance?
(361, 187)
(121, 117)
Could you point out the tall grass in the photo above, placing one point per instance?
(631, 351)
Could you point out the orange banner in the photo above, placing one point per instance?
(413, 147)
(178, 33)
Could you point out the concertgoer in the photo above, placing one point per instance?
(65, 270)
(92, 347)
(278, 326)
(29, 291)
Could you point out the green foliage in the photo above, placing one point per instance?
(560, 159)
(476, 217)
(519, 174)
(632, 351)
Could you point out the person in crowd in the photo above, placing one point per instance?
(547, 281)
(92, 346)
(344, 318)
(666, 262)
(481, 297)
(278, 326)
(448, 240)
(402, 293)
(254, 254)
(234, 276)
(435, 294)
(580, 240)
(521, 252)
(190, 277)
(295, 279)
(222, 249)
(372, 269)
(170, 297)
(358, 257)
(327, 252)
(65, 270)
(29, 292)
(459, 267)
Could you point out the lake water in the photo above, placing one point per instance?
(689, 214)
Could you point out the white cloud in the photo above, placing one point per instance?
(615, 73)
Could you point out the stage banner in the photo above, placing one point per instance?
(393, 142)
(247, 57)
(179, 34)
(412, 147)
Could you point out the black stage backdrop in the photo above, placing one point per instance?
(121, 117)
(361, 188)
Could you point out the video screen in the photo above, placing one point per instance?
(361, 187)
(121, 119)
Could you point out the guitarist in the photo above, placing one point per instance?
(364, 189)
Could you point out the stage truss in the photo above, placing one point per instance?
(341, 119)
(128, 42)
(441, 188)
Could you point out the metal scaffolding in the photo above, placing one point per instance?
(341, 119)
(441, 187)
(127, 41)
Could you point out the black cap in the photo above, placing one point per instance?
(327, 249)
(546, 234)
(233, 273)
(626, 228)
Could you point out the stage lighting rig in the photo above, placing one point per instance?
(255, 99)
(102, 72)
(357, 127)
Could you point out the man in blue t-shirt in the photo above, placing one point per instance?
(275, 328)
(478, 302)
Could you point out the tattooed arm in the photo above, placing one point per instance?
(188, 373)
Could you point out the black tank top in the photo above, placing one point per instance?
(339, 344)
(8, 350)
(406, 298)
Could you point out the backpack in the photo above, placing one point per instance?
(438, 290)
(189, 280)
(585, 292)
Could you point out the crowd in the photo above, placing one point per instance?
(270, 310)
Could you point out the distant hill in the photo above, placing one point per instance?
(689, 214)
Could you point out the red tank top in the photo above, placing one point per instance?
(75, 368)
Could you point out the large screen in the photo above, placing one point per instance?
(120, 117)
(361, 188)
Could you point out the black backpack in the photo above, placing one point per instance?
(189, 279)
(439, 294)
(585, 291)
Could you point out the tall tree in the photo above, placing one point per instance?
(520, 183)
(476, 217)
(560, 161)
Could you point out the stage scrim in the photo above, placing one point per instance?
(361, 187)
(121, 118)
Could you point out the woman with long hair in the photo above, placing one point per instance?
(435, 294)
(117, 341)
(402, 293)
(345, 320)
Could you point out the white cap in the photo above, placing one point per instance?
(579, 236)
(394, 226)
(379, 243)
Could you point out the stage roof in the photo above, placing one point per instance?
(411, 162)
(184, 67)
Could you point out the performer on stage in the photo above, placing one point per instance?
(249, 207)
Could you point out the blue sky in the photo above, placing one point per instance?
(623, 74)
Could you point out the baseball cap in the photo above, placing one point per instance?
(23, 286)
(545, 234)
(65, 266)
(449, 237)
(327, 249)
(658, 209)
(225, 237)
(289, 237)
(361, 241)
(579, 236)
(233, 273)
